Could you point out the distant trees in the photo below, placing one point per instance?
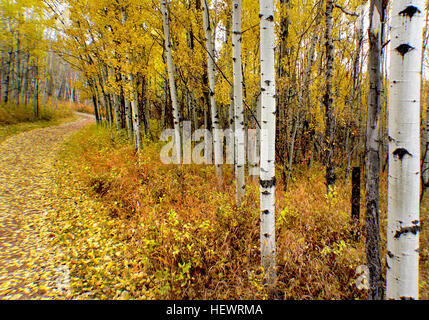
(22, 46)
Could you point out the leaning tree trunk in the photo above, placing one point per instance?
(327, 99)
(173, 92)
(403, 223)
(268, 133)
(372, 161)
(217, 143)
(238, 99)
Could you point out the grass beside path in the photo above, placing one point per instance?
(17, 119)
(10, 130)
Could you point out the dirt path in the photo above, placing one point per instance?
(27, 264)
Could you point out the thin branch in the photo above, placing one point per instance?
(346, 12)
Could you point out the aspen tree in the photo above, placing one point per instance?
(170, 67)
(327, 99)
(238, 99)
(372, 160)
(135, 114)
(268, 132)
(403, 224)
(217, 143)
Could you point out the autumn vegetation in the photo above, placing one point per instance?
(183, 237)
(314, 75)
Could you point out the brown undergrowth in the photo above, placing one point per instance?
(154, 231)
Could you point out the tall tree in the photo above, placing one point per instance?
(268, 134)
(217, 143)
(238, 99)
(327, 99)
(372, 160)
(403, 222)
(170, 69)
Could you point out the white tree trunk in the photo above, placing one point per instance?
(268, 131)
(217, 143)
(403, 224)
(135, 116)
(173, 92)
(129, 119)
(238, 99)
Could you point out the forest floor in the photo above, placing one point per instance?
(28, 264)
(134, 228)
(86, 217)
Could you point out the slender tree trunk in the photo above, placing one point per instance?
(17, 69)
(425, 155)
(6, 83)
(171, 80)
(328, 100)
(372, 161)
(291, 151)
(116, 106)
(217, 143)
(268, 133)
(36, 92)
(207, 146)
(238, 100)
(403, 222)
(354, 99)
(135, 115)
(129, 119)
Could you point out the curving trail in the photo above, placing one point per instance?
(27, 263)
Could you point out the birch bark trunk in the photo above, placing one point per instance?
(217, 143)
(173, 92)
(238, 99)
(135, 115)
(129, 119)
(268, 132)
(403, 223)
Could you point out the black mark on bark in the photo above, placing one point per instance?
(268, 183)
(402, 230)
(409, 11)
(403, 49)
(401, 152)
